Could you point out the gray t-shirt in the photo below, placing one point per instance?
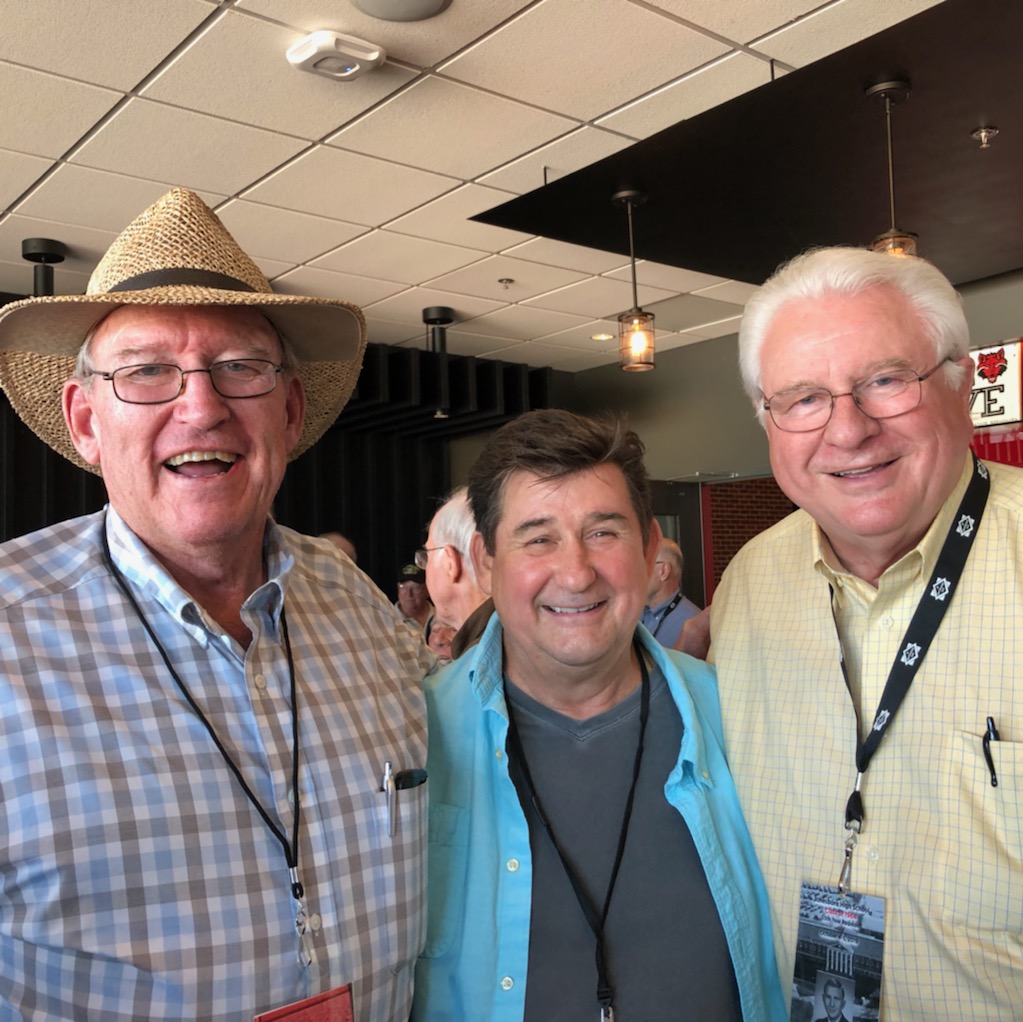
(666, 952)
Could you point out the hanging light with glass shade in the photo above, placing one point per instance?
(894, 241)
(635, 327)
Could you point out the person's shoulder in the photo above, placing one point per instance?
(322, 564)
(1006, 485)
(51, 560)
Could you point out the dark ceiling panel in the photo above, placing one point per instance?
(801, 161)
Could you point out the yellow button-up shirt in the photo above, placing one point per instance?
(941, 845)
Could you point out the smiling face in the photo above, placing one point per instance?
(568, 575)
(873, 485)
(198, 473)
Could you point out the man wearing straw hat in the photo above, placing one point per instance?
(212, 735)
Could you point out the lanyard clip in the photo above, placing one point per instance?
(607, 1013)
(853, 826)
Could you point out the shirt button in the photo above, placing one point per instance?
(260, 682)
(498, 753)
(706, 775)
(873, 854)
(315, 922)
(507, 983)
(513, 865)
(886, 622)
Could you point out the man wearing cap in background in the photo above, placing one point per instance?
(191, 825)
(413, 598)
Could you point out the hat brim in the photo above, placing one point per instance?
(40, 339)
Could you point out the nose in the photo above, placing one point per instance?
(849, 425)
(575, 567)
(199, 402)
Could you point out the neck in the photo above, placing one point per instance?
(580, 693)
(220, 587)
(865, 562)
(665, 593)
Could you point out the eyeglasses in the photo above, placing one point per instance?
(881, 396)
(155, 383)
(423, 555)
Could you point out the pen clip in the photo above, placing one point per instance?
(991, 735)
(389, 788)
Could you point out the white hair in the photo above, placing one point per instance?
(851, 271)
(454, 525)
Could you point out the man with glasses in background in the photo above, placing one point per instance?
(212, 730)
(869, 646)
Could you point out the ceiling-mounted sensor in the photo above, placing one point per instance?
(336, 56)
(401, 10)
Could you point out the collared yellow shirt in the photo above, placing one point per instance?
(941, 845)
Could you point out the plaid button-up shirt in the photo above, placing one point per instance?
(136, 879)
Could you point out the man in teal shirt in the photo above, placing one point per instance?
(587, 852)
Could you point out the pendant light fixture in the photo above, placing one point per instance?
(635, 327)
(894, 241)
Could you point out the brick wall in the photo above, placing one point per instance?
(733, 513)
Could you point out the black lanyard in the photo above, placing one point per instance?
(595, 919)
(676, 600)
(927, 618)
(290, 847)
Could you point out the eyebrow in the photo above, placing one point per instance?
(594, 518)
(895, 362)
(243, 349)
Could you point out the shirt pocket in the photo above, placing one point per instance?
(448, 863)
(983, 861)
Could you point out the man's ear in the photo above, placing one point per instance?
(653, 544)
(455, 570)
(482, 562)
(82, 423)
(294, 411)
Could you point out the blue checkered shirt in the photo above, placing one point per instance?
(136, 879)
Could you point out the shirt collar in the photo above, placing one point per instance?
(137, 564)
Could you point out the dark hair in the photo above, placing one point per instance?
(552, 444)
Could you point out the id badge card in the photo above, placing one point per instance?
(839, 955)
(332, 1006)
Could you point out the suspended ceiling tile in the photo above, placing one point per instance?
(708, 87)
(447, 219)
(523, 322)
(584, 361)
(408, 306)
(113, 42)
(582, 336)
(305, 280)
(680, 340)
(239, 57)
(85, 248)
(538, 356)
(63, 110)
(672, 278)
(417, 42)
(461, 342)
(571, 257)
(144, 139)
(739, 20)
(348, 186)
(734, 291)
(398, 257)
(583, 59)
(17, 173)
(284, 233)
(272, 268)
(579, 149)
(522, 279)
(718, 328)
(836, 26)
(601, 295)
(684, 312)
(382, 331)
(96, 198)
(16, 277)
(450, 128)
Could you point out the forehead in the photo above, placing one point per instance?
(528, 496)
(839, 335)
(170, 327)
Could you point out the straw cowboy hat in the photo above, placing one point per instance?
(175, 253)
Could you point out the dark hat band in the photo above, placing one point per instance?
(181, 275)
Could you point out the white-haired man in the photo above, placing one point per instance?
(869, 646)
(667, 608)
(211, 726)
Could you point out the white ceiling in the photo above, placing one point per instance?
(362, 190)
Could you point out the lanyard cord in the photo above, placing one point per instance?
(676, 600)
(596, 921)
(927, 618)
(290, 848)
